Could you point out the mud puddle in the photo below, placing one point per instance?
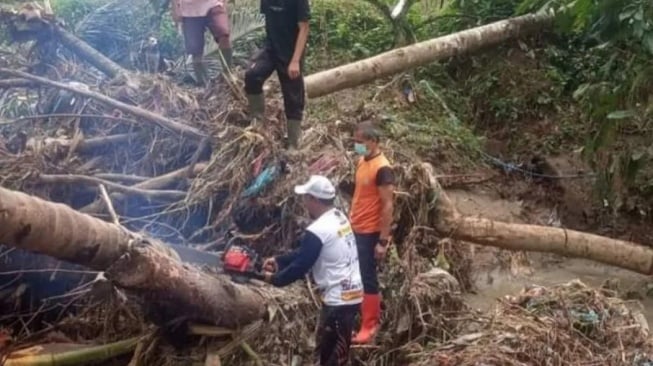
(501, 273)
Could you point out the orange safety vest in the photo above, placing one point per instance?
(365, 215)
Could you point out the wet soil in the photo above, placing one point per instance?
(499, 272)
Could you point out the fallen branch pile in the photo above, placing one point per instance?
(569, 324)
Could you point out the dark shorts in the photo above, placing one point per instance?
(366, 243)
(262, 67)
(334, 334)
(217, 21)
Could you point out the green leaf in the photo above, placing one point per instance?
(582, 89)
(621, 114)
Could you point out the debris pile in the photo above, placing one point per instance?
(568, 324)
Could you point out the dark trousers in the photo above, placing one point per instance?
(217, 21)
(366, 244)
(262, 67)
(334, 334)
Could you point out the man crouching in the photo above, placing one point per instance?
(328, 248)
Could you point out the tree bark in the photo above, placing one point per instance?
(569, 243)
(409, 57)
(162, 280)
(144, 265)
(56, 230)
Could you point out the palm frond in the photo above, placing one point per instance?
(244, 21)
(113, 27)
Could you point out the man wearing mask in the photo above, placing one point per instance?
(286, 28)
(195, 16)
(328, 250)
(371, 219)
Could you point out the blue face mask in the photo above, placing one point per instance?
(360, 149)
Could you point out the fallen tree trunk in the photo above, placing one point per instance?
(144, 265)
(422, 53)
(56, 230)
(535, 238)
(162, 280)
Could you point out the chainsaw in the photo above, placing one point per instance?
(241, 263)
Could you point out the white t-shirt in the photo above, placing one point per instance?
(336, 271)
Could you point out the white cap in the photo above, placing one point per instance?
(317, 186)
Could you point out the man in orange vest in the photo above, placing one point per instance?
(371, 219)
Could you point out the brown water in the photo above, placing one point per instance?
(540, 269)
(494, 285)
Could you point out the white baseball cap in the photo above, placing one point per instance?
(317, 186)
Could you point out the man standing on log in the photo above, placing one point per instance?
(195, 16)
(286, 28)
(371, 219)
(329, 250)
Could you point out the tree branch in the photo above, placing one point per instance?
(72, 178)
(156, 119)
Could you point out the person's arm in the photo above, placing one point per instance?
(285, 259)
(385, 181)
(303, 16)
(175, 8)
(306, 256)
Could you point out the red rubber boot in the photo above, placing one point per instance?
(370, 315)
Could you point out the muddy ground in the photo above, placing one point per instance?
(552, 203)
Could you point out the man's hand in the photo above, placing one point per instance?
(380, 250)
(293, 69)
(270, 265)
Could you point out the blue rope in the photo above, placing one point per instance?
(510, 168)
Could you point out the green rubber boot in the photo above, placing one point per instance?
(200, 70)
(294, 133)
(256, 105)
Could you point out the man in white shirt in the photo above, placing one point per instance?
(195, 16)
(328, 250)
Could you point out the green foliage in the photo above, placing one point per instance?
(73, 11)
(348, 29)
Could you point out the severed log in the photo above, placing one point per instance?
(56, 230)
(130, 261)
(157, 119)
(163, 280)
(422, 53)
(521, 237)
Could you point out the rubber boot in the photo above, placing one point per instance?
(294, 127)
(256, 105)
(227, 54)
(370, 315)
(200, 70)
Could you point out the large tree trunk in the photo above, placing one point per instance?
(448, 221)
(406, 58)
(132, 262)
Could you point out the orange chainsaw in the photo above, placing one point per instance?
(241, 263)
